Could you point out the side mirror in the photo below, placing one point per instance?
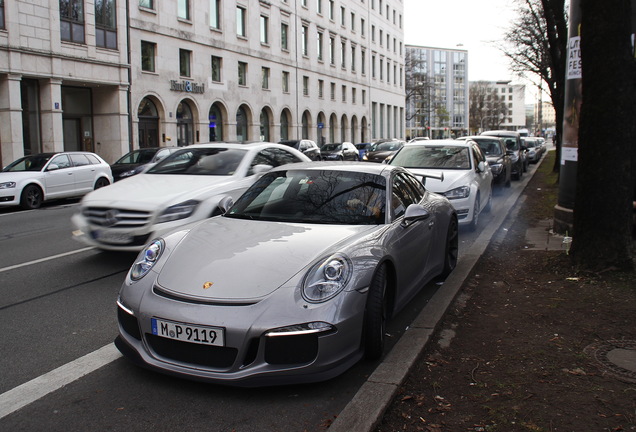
(481, 166)
(414, 213)
(225, 204)
(52, 167)
(261, 168)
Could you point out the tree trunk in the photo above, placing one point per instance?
(605, 186)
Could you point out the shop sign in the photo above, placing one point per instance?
(187, 86)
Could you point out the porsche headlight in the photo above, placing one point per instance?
(460, 192)
(147, 259)
(178, 211)
(496, 168)
(326, 279)
(7, 185)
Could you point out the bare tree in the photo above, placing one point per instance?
(536, 45)
(419, 87)
(606, 139)
(487, 108)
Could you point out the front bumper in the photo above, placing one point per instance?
(249, 357)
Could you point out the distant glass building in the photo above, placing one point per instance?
(436, 92)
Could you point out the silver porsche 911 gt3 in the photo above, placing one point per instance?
(294, 283)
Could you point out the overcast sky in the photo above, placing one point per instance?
(472, 25)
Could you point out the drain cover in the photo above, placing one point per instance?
(616, 358)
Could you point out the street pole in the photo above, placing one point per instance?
(564, 210)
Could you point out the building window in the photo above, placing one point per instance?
(372, 66)
(362, 27)
(353, 95)
(372, 33)
(331, 10)
(284, 29)
(332, 50)
(363, 60)
(353, 59)
(319, 46)
(319, 7)
(242, 73)
(148, 4)
(344, 93)
(240, 21)
(2, 24)
(105, 24)
(148, 52)
(343, 54)
(353, 21)
(265, 78)
(303, 39)
(215, 21)
(285, 82)
(264, 29)
(333, 91)
(305, 86)
(364, 97)
(343, 13)
(184, 62)
(216, 69)
(183, 10)
(303, 3)
(321, 88)
(72, 20)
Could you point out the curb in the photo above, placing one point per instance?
(365, 410)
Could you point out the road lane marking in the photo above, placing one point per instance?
(29, 392)
(13, 267)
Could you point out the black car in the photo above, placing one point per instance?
(497, 156)
(382, 149)
(340, 151)
(136, 161)
(308, 147)
(512, 140)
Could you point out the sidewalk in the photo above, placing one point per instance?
(511, 333)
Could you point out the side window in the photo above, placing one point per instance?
(416, 186)
(283, 157)
(401, 196)
(273, 157)
(79, 160)
(93, 159)
(477, 156)
(62, 161)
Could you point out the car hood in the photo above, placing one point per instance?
(246, 260)
(147, 191)
(452, 178)
(17, 176)
(380, 154)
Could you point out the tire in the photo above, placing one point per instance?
(451, 250)
(473, 223)
(31, 197)
(376, 315)
(101, 182)
(489, 203)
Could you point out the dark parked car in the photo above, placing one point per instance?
(497, 156)
(339, 151)
(382, 149)
(534, 151)
(512, 140)
(137, 160)
(308, 147)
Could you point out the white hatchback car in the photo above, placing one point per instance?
(31, 180)
(184, 187)
(466, 177)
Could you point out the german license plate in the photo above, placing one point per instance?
(112, 237)
(188, 333)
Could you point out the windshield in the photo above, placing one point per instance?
(331, 147)
(141, 156)
(29, 163)
(320, 197)
(434, 157)
(201, 161)
(386, 146)
(490, 147)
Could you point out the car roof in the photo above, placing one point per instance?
(251, 145)
(437, 143)
(505, 133)
(361, 167)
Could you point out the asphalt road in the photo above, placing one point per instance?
(60, 371)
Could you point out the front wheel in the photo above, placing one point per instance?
(451, 250)
(376, 315)
(31, 197)
(473, 223)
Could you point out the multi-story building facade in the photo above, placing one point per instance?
(436, 92)
(497, 105)
(182, 71)
(64, 77)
